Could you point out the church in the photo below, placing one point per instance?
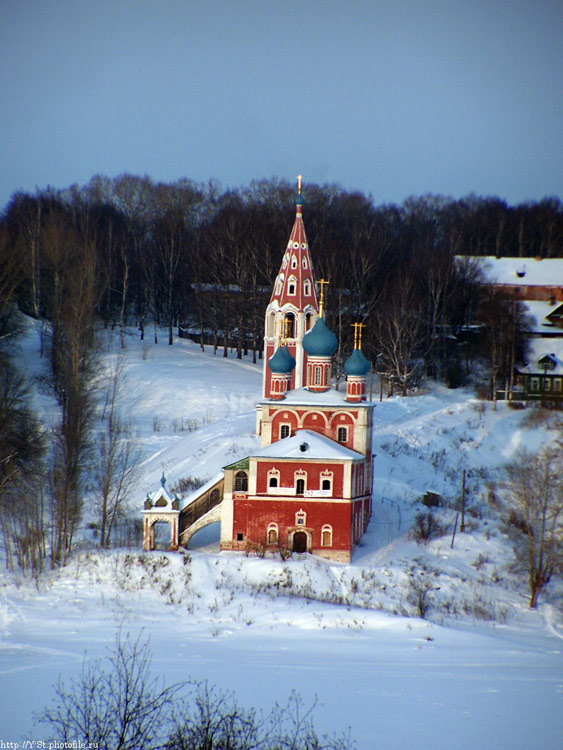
(308, 489)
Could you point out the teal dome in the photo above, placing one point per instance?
(281, 362)
(320, 341)
(356, 364)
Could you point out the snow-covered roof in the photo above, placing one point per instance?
(538, 349)
(304, 397)
(521, 271)
(305, 444)
(538, 311)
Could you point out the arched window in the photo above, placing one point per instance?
(300, 486)
(273, 482)
(318, 378)
(326, 484)
(241, 481)
(271, 325)
(342, 435)
(289, 325)
(272, 533)
(326, 536)
(284, 431)
(307, 288)
(308, 321)
(294, 262)
(304, 262)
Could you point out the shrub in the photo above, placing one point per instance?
(426, 527)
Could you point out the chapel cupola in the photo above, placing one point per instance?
(281, 365)
(356, 368)
(293, 306)
(320, 344)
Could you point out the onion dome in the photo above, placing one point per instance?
(281, 362)
(357, 364)
(320, 341)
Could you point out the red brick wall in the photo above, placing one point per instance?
(251, 518)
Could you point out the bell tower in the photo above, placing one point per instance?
(293, 307)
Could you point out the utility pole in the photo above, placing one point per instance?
(462, 524)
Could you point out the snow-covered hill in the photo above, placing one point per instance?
(481, 671)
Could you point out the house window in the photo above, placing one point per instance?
(342, 435)
(241, 481)
(240, 536)
(300, 518)
(547, 384)
(300, 487)
(307, 288)
(308, 321)
(292, 285)
(557, 384)
(318, 379)
(535, 384)
(326, 536)
(284, 431)
(273, 482)
(326, 484)
(272, 535)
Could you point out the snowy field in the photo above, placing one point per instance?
(482, 671)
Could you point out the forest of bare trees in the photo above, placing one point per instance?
(129, 252)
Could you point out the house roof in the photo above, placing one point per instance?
(521, 271)
(539, 349)
(538, 312)
(307, 445)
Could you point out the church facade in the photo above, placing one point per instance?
(308, 488)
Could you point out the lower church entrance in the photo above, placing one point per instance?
(300, 542)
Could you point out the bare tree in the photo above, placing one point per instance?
(116, 460)
(399, 323)
(119, 706)
(22, 446)
(535, 493)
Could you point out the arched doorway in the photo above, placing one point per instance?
(299, 542)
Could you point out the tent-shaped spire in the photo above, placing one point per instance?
(295, 282)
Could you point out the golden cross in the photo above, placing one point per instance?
(299, 178)
(358, 334)
(322, 283)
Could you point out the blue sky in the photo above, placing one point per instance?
(394, 98)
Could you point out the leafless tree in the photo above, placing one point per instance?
(399, 323)
(116, 459)
(119, 706)
(534, 490)
(116, 707)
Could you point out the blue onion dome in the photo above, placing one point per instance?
(281, 362)
(320, 341)
(356, 364)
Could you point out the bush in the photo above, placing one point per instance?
(426, 527)
(118, 706)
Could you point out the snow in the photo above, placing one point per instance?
(482, 671)
(521, 271)
(307, 444)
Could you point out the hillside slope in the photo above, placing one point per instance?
(480, 671)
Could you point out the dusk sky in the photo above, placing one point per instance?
(394, 98)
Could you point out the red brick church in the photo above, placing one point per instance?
(309, 487)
